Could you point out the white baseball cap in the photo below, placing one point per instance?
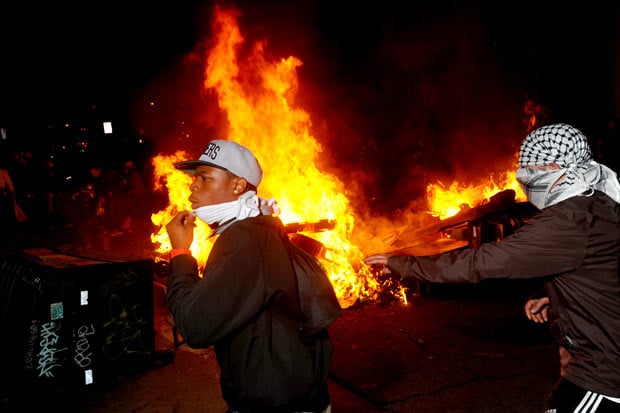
(227, 155)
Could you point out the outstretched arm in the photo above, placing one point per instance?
(378, 261)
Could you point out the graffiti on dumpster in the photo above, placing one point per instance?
(31, 345)
(125, 329)
(48, 355)
(83, 356)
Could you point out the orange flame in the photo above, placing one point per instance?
(176, 184)
(257, 98)
(445, 203)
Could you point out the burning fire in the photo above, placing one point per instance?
(445, 203)
(257, 96)
(176, 183)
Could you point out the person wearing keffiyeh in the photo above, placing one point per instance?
(573, 246)
(555, 163)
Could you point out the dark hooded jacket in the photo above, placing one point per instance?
(575, 246)
(247, 306)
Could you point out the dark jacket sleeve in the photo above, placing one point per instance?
(229, 293)
(551, 243)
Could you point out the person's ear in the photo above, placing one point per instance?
(240, 186)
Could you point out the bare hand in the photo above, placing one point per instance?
(181, 230)
(537, 309)
(378, 261)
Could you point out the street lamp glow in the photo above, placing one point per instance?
(107, 128)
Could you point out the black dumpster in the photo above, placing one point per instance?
(72, 320)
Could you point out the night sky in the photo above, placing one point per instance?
(59, 58)
(400, 84)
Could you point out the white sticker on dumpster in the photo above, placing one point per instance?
(88, 376)
(84, 297)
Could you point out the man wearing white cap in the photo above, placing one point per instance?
(246, 304)
(573, 245)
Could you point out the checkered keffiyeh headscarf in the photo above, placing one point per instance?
(559, 143)
(568, 148)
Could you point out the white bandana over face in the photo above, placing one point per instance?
(579, 175)
(247, 205)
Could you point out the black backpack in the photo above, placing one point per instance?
(318, 304)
